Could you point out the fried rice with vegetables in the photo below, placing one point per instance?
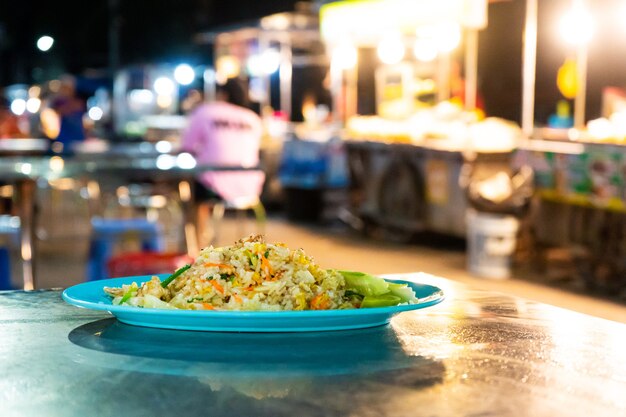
(253, 275)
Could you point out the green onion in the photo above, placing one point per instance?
(227, 277)
(132, 289)
(175, 275)
(126, 296)
(252, 259)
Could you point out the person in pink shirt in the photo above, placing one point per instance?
(226, 133)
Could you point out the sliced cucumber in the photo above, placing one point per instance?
(365, 284)
(406, 294)
(384, 300)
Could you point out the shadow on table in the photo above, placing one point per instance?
(282, 354)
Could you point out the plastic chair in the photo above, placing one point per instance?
(9, 227)
(107, 232)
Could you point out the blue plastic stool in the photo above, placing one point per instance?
(5, 269)
(9, 226)
(107, 232)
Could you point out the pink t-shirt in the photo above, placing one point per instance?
(223, 134)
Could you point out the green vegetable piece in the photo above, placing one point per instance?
(384, 300)
(175, 275)
(365, 284)
(132, 289)
(406, 294)
(252, 258)
(227, 277)
(350, 293)
(150, 301)
(126, 296)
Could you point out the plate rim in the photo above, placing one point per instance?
(436, 297)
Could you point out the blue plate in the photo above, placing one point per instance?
(91, 295)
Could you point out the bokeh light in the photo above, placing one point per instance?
(95, 113)
(576, 26)
(425, 50)
(18, 106)
(345, 55)
(164, 86)
(33, 104)
(184, 74)
(391, 49)
(45, 43)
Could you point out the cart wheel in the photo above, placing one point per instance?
(401, 201)
(397, 234)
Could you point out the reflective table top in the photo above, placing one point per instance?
(476, 354)
(131, 166)
(23, 146)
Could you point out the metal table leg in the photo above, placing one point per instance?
(25, 201)
(186, 194)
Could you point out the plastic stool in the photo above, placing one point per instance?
(5, 269)
(146, 263)
(9, 226)
(106, 232)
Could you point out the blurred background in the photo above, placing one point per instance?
(480, 140)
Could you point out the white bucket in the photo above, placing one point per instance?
(491, 240)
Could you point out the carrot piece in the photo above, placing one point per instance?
(217, 286)
(238, 298)
(208, 306)
(210, 264)
(320, 302)
(265, 265)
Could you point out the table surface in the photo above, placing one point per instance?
(476, 354)
(55, 167)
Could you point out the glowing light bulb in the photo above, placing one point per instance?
(184, 74)
(95, 113)
(266, 63)
(270, 61)
(448, 37)
(391, 49)
(33, 104)
(164, 86)
(18, 106)
(345, 55)
(425, 50)
(577, 26)
(45, 43)
(227, 66)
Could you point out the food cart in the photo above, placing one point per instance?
(406, 160)
(268, 54)
(580, 171)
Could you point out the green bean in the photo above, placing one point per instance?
(175, 275)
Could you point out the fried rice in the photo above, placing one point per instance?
(250, 275)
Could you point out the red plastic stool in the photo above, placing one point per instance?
(146, 263)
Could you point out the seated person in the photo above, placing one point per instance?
(70, 110)
(226, 133)
(9, 123)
